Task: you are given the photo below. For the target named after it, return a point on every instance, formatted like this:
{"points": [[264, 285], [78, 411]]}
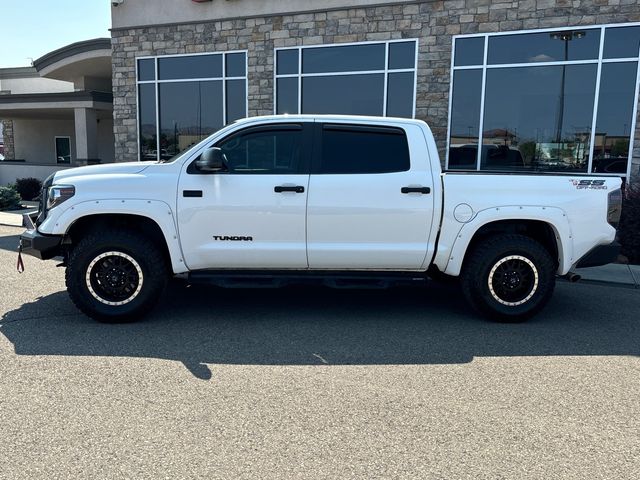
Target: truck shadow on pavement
{"points": [[199, 325], [10, 242]]}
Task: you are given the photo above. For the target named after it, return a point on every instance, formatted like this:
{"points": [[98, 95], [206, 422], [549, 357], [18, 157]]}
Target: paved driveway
{"points": [[315, 383]]}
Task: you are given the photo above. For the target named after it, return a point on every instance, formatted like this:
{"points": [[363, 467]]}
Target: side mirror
{"points": [[211, 160]]}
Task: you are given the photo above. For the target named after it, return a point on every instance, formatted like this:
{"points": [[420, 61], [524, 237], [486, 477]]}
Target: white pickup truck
{"points": [[333, 199]]}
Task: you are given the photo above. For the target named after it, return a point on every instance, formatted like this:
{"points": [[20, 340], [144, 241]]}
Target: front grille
{"points": [[42, 206]]}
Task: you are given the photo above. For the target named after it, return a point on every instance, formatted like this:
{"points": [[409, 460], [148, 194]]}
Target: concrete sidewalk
{"points": [[13, 218], [614, 274]]}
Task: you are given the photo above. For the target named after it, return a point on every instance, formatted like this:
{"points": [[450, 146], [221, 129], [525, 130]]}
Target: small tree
{"points": [[28, 188], [9, 198]]}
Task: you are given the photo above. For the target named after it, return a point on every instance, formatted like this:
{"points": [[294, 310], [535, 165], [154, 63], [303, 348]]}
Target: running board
{"points": [[276, 279]]}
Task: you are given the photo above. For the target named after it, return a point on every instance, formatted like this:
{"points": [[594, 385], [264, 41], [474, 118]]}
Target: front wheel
{"points": [[115, 276], [508, 278]]}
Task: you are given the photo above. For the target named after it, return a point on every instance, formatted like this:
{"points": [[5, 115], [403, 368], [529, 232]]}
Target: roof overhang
{"points": [[54, 105], [90, 58]]}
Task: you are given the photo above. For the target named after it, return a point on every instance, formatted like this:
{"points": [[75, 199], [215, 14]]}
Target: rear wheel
{"points": [[508, 278], [116, 276]]}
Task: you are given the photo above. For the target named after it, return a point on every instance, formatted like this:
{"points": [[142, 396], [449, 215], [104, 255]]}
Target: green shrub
{"points": [[629, 231], [28, 188], [9, 198]]}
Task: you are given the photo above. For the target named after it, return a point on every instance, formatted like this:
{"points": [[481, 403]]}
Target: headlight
{"points": [[58, 194]]}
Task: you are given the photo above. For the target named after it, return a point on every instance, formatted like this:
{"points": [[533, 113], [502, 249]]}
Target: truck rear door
{"points": [[371, 202]]}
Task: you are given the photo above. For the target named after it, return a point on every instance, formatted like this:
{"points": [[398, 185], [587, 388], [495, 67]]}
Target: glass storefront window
{"points": [[343, 95], [469, 51], [147, 69], [622, 42], [546, 101], [371, 78], [193, 96], [147, 129], [351, 58], [190, 66], [534, 118], [615, 117], [287, 62], [465, 119], [544, 47]]}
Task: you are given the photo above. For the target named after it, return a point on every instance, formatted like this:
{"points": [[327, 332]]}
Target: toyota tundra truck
{"points": [[337, 200]]}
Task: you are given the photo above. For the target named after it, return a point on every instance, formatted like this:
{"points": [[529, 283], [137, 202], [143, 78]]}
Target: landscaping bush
{"points": [[28, 188], [629, 231], [9, 198]]}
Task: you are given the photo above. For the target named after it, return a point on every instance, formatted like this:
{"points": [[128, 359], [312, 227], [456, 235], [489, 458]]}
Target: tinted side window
{"points": [[265, 151], [351, 149]]}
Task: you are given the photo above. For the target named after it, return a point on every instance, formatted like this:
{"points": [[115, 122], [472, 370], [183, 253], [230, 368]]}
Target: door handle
{"points": [[423, 190], [287, 188], [192, 193]]}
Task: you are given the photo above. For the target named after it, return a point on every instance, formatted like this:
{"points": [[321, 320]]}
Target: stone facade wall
{"points": [[432, 22], [8, 140]]}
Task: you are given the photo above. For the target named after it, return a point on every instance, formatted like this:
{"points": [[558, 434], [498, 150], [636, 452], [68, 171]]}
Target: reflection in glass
{"points": [[236, 65], [264, 152], [469, 51], [287, 95], [147, 116], [402, 55], [189, 111], [621, 42], [146, 69], [190, 66], [63, 150], [346, 94], [544, 47], [615, 117], [350, 58], [538, 118], [465, 119], [236, 100], [400, 95], [287, 62]]}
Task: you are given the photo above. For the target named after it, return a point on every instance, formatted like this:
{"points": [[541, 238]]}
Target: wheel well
{"points": [[538, 230], [138, 223]]}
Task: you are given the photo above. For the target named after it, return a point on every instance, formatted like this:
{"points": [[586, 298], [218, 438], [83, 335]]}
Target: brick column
{"points": [[9, 145]]}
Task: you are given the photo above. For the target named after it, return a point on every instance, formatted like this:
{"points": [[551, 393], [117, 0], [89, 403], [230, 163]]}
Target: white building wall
{"points": [[35, 139], [106, 146], [140, 12], [35, 85]]}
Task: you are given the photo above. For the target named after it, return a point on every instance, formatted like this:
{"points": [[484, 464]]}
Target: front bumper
{"points": [[600, 255], [38, 245]]}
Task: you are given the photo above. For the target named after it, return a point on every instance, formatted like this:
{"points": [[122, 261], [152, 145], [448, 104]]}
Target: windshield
{"points": [[184, 152]]}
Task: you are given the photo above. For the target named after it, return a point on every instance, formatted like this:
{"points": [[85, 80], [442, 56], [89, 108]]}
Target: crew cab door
{"points": [[370, 200], [252, 214]]}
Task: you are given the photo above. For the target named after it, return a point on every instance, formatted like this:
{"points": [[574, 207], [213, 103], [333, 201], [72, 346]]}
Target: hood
{"points": [[106, 169]]}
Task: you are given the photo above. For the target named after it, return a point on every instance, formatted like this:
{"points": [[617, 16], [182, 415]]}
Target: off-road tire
{"points": [[147, 258], [480, 276]]}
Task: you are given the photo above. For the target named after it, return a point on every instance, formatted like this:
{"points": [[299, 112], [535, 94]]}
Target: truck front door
{"points": [[371, 199], [252, 214]]}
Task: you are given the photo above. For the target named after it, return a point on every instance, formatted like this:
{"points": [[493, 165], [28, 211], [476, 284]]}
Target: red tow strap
{"points": [[20, 264]]}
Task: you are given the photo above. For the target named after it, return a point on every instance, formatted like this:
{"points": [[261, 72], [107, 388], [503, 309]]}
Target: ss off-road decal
{"points": [[589, 184]]}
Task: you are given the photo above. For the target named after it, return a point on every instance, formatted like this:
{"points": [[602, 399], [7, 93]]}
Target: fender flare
{"points": [[159, 212], [555, 217]]}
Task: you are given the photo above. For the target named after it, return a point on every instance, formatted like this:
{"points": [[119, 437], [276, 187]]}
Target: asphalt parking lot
{"points": [[315, 383]]}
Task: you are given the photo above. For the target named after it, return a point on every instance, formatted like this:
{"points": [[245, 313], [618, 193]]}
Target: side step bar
{"points": [[275, 279]]}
